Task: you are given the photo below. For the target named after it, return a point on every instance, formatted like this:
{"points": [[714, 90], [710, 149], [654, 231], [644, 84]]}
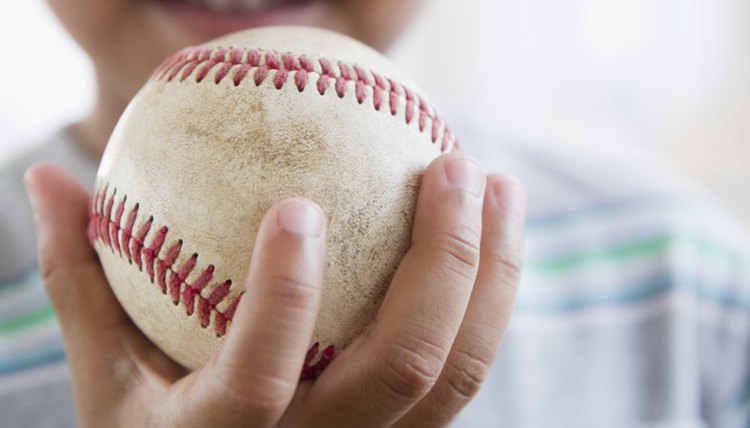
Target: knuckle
{"points": [[460, 251], [466, 372], [263, 410], [408, 373], [508, 267], [48, 269], [292, 291], [54, 278], [256, 396]]}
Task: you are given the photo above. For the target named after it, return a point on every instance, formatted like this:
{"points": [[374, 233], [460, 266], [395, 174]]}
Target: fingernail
{"points": [[30, 187], [507, 193], [300, 217], [465, 174], [509, 198]]}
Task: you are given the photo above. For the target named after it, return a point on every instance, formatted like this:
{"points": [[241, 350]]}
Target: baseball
{"points": [[224, 130]]}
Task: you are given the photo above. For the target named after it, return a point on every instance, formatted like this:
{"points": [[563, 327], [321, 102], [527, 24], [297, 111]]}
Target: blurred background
{"points": [[668, 77]]}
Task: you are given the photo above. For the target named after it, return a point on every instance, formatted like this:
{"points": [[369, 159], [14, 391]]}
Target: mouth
{"points": [[213, 18], [240, 7]]}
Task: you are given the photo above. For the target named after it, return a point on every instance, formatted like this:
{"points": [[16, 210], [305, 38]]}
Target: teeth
{"points": [[236, 5]]}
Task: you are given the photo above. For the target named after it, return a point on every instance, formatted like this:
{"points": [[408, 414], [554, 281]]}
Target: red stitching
{"points": [[197, 63], [158, 259], [172, 281], [312, 370]]}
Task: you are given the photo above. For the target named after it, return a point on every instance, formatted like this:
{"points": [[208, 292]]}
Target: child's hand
{"points": [[421, 362]]}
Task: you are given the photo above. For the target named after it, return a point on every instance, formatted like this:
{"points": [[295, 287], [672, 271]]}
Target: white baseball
{"points": [[223, 131]]}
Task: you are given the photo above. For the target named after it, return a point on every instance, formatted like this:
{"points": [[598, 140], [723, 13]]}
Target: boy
{"points": [[634, 310]]}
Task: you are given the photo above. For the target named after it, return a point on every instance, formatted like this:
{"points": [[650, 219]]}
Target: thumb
{"points": [[74, 280]]}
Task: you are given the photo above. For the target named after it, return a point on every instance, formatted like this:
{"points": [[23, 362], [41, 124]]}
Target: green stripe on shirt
{"points": [[28, 320], [647, 247]]}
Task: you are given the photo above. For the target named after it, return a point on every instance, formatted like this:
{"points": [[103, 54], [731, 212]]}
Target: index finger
{"points": [[383, 375]]}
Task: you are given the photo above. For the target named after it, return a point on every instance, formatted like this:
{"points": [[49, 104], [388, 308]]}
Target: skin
{"points": [[424, 358], [127, 39]]}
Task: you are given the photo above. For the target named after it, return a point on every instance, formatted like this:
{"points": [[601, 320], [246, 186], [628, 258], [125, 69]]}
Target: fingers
{"points": [[489, 310], [383, 375], [427, 299], [254, 376], [84, 303], [100, 341]]}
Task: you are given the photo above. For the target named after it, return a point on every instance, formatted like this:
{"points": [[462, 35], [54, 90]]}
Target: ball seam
{"points": [[259, 65], [129, 241]]}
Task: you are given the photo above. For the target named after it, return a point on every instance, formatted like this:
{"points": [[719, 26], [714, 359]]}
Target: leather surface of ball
{"points": [[223, 131]]}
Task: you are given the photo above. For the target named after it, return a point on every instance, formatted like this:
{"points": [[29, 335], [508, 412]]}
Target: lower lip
{"points": [[210, 24]]}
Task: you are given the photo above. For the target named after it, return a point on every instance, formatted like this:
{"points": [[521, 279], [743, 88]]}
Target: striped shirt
{"points": [[34, 382], [634, 309]]}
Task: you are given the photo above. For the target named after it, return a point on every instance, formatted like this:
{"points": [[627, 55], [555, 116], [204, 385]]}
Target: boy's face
{"points": [[127, 38]]}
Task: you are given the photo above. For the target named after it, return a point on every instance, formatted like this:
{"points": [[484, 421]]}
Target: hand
{"points": [[421, 362]]}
